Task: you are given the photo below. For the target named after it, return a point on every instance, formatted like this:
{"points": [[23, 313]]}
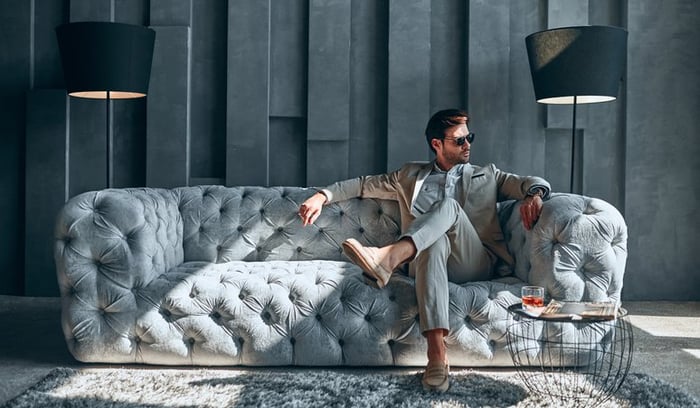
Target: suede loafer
{"points": [[436, 376], [367, 259]]}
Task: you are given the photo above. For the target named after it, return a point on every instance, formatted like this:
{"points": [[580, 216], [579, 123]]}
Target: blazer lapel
{"points": [[423, 173], [467, 172]]}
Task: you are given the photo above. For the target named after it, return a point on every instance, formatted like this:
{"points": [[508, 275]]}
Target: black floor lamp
{"points": [[576, 65], [103, 60]]}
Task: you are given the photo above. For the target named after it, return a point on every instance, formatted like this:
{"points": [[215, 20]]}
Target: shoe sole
{"points": [[352, 249]]}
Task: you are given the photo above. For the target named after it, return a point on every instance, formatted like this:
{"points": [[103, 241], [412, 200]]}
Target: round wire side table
{"points": [[580, 362]]}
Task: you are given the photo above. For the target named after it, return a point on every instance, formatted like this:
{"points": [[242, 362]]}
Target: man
{"points": [[449, 225]]}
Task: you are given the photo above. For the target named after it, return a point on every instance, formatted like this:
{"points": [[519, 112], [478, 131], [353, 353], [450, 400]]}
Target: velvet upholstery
{"points": [[213, 275]]}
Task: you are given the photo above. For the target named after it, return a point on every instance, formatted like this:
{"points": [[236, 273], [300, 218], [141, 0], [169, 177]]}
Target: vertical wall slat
{"points": [[448, 48], [209, 33], [247, 125], [329, 88], [171, 12], [46, 190], [526, 137], [409, 81], [489, 70], [90, 10], [288, 157], [663, 153], [368, 87], [288, 57], [168, 134], [15, 65]]}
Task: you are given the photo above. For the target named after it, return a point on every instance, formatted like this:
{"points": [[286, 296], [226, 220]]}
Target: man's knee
{"points": [[439, 250]]}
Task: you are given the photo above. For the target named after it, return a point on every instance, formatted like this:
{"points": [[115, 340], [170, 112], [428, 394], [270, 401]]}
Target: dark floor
{"points": [[666, 336]]}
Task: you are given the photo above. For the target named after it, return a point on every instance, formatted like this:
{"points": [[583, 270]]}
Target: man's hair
{"points": [[441, 121]]}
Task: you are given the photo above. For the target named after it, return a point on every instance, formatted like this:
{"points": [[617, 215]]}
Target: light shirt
{"points": [[437, 186]]}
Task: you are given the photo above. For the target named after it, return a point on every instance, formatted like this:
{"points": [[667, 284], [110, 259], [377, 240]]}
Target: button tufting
{"points": [[391, 343], [368, 318], [280, 229], [320, 230], [341, 213], [240, 228], [241, 296], [262, 211], [191, 341], [318, 317], [362, 230], [218, 248], [292, 340], [341, 342], [299, 249], [216, 315]]}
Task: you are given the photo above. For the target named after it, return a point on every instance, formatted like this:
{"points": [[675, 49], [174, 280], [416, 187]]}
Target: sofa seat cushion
{"points": [[291, 313]]}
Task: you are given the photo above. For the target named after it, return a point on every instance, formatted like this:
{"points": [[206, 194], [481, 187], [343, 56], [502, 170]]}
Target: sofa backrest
{"points": [[222, 224]]}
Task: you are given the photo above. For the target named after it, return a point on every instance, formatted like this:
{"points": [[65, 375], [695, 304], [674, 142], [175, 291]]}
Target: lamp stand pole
{"points": [[110, 141], [573, 149]]}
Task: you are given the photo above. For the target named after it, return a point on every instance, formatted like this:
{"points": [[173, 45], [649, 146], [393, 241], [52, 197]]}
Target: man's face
{"points": [[448, 152]]}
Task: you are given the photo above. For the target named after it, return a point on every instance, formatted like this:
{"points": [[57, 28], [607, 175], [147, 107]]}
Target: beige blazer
{"points": [[482, 188]]}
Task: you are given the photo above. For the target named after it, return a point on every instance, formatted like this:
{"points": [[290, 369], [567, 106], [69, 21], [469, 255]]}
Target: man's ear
{"points": [[435, 143]]}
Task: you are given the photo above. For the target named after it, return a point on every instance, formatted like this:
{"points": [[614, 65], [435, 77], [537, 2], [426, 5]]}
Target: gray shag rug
{"points": [[298, 387]]}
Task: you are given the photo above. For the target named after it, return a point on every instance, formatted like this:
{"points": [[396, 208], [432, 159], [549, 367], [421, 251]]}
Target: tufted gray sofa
{"points": [[211, 275]]}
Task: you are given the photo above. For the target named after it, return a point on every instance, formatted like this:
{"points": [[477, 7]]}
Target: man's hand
{"points": [[530, 210], [311, 208]]}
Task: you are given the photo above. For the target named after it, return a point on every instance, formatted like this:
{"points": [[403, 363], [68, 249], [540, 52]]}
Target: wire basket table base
{"points": [[582, 362]]}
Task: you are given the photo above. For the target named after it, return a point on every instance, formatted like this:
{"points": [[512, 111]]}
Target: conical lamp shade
{"points": [[98, 57], [587, 62]]}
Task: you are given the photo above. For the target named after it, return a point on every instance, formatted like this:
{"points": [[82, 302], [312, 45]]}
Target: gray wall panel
{"points": [[88, 141], [46, 155], [168, 134], [171, 12], [15, 59], [210, 27], [663, 150], [448, 56], [368, 87], [489, 70], [329, 90], [287, 152], [248, 90], [525, 142], [409, 81], [91, 10], [129, 143], [288, 57], [329, 70], [48, 14]]}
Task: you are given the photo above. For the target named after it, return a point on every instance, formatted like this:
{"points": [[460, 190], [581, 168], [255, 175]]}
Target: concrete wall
{"points": [[304, 92]]}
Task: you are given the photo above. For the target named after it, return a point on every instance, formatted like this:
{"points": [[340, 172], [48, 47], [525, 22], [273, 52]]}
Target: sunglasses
{"points": [[460, 141]]}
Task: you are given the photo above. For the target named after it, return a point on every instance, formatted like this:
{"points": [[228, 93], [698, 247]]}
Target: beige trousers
{"points": [[449, 250]]}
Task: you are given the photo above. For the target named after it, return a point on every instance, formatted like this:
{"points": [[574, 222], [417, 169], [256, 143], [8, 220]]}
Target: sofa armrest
{"points": [[108, 245], [577, 250]]}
